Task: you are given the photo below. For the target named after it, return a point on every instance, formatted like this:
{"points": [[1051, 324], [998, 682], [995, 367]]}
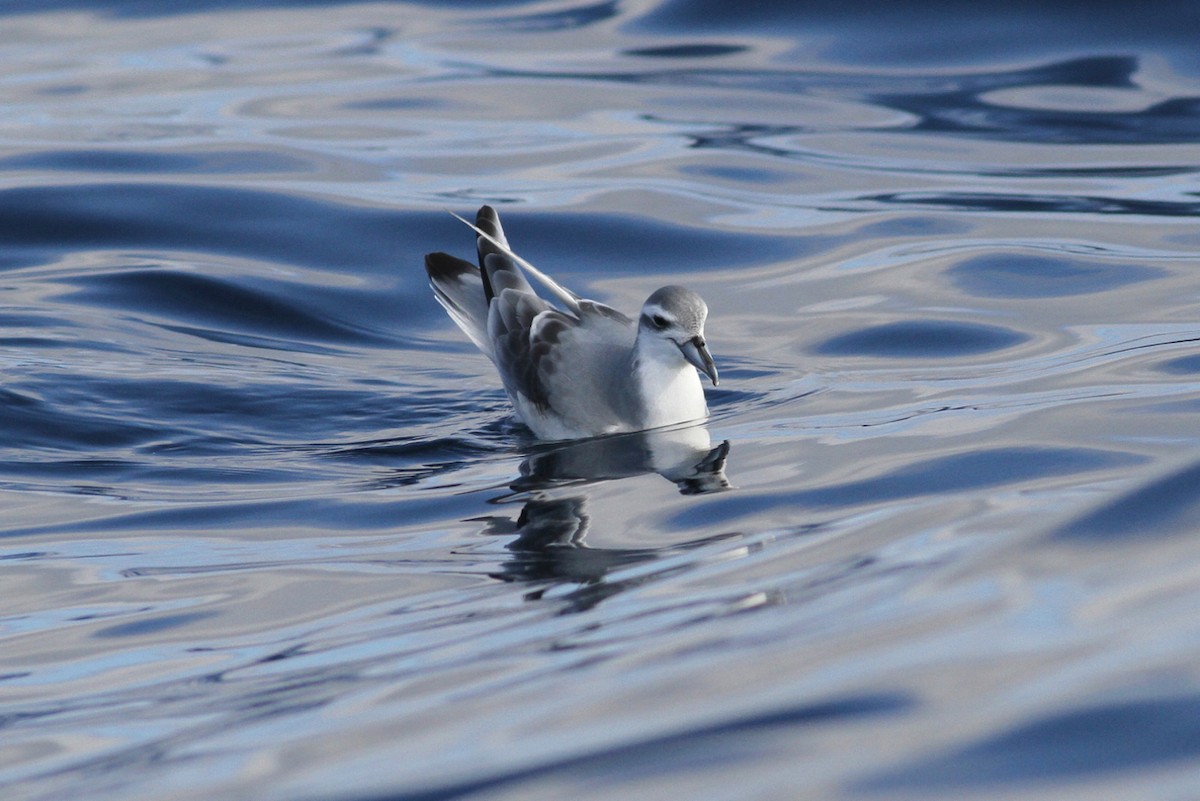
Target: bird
{"points": [[581, 368]]}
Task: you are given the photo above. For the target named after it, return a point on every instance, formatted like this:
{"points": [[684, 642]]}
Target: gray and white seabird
{"points": [[584, 369]]}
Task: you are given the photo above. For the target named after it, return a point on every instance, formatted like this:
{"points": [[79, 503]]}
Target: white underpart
{"points": [[548, 425], [670, 387]]}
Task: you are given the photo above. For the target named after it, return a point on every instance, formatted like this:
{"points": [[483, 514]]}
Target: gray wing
{"points": [[581, 366], [565, 374], [491, 240], [512, 308], [466, 291], [498, 267], [511, 316], [458, 287]]}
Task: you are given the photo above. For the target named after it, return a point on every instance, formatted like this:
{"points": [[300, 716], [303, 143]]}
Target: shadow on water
{"points": [[549, 536]]}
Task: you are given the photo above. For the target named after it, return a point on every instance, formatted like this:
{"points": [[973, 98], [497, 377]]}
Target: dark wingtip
{"points": [[488, 220], [431, 263], [444, 266]]}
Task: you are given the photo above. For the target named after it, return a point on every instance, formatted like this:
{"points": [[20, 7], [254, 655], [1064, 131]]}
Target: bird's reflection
{"points": [[548, 537], [684, 456]]}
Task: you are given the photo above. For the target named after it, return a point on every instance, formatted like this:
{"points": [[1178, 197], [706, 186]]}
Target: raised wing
{"points": [[458, 286], [488, 215]]}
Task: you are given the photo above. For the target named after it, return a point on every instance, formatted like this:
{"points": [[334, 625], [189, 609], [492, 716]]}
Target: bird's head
{"points": [[676, 315]]}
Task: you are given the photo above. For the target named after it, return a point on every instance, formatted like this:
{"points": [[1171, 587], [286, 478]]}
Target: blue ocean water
{"points": [[270, 531]]}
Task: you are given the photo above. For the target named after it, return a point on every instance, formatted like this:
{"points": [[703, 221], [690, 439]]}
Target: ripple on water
{"points": [[62, 219], [1167, 506], [1015, 275], [1184, 365], [944, 475], [917, 339], [1090, 741], [211, 162], [274, 310]]}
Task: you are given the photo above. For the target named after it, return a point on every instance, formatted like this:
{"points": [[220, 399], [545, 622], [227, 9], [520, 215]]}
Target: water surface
{"points": [[270, 531]]}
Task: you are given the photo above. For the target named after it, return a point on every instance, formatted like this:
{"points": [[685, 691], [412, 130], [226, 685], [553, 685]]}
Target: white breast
{"points": [[670, 393]]}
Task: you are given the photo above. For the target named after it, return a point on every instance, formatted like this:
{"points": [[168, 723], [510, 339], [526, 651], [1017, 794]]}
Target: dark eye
{"points": [[659, 321]]}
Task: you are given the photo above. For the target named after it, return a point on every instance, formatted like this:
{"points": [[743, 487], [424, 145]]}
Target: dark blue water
{"points": [[270, 531]]}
